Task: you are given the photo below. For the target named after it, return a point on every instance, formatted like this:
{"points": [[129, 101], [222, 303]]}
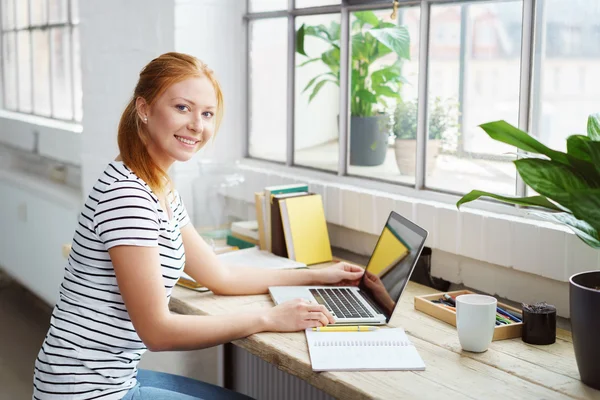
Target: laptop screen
{"points": [[392, 262]]}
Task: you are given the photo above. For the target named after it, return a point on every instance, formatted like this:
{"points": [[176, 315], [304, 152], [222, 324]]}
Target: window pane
{"points": [[268, 5], [472, 81], [62, 91], [23, 41], [78, 92], [58, 11], [316, 3], [8, 14], [41, 73], [566, 82], [9, 67], [318, 94], [384, 55], [39, 12], [22, 14], [268, 83]]}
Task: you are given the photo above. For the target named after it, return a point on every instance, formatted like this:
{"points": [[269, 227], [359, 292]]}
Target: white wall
{"points": [[37, 219], [117, 39]]}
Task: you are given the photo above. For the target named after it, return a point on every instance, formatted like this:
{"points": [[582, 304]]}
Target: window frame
{"points": [[70, 25], [345, 9]]}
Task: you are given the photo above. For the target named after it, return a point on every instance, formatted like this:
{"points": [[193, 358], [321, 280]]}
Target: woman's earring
{"points": [[145, 119]]}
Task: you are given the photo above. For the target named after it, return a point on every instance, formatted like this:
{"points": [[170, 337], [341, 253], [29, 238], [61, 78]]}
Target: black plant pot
{"points": [[584, 297], [539, 324]]}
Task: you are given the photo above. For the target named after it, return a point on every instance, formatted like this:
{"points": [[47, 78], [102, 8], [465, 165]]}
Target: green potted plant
{"points": [[569, 193], [372, 38], [442, 124]]}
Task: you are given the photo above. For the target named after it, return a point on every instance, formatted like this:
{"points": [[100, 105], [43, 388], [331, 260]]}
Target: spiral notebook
{"points": [[383, 349]]}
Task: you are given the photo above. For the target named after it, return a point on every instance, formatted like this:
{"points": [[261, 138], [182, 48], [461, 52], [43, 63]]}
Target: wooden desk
{"points": [[510, 369]]}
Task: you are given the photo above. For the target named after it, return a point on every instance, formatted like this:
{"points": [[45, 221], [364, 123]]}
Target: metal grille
{"points": [[263, 381]]}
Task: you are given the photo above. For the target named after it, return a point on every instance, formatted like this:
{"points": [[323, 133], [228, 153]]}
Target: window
{"points": [[566, 53], [41, 72], [401, 99]]}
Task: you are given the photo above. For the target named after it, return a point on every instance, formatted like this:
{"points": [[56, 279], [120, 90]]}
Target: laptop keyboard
{"points": [[341, 303]]}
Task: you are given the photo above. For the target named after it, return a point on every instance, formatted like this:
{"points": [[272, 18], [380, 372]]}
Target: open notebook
{"points": [[383, 349]]}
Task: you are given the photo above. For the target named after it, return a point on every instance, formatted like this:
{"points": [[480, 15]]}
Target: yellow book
{"points": [[305, 229], [389, 251], [259, 204]]}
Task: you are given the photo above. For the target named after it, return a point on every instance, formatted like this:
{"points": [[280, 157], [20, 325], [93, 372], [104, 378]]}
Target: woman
{"points": [[131, 244]]}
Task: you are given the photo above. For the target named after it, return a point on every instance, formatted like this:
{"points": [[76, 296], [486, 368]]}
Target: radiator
{"points": [[263, 381]]}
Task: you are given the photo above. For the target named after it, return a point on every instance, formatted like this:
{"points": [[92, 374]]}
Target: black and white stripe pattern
{"points": [[91, 350]]}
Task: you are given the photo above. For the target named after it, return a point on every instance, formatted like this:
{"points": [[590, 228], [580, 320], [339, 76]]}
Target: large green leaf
{"points": [[585, 205], [313, 80], [320, 31], [537, 201], [551, 179], [317, 88], [577, 147], [331, 58], [367, 17], [504, 132], [582, 229], [334, 31], [360, 50], [593, 127], [593, 148], [396, 39], [300, 40], [366, 96], [392, 73], [386, 91], [311, 60]]}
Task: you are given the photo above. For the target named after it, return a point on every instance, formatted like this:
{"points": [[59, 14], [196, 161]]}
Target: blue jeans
{"points": [[154, 385]]}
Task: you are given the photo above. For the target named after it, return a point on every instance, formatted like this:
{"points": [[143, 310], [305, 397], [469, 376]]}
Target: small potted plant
{"points": [[569, 193], [442, 124], [372, 38]]}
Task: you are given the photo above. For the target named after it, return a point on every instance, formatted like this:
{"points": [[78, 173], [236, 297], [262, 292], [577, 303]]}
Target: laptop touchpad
{"points": [[283, 294]]}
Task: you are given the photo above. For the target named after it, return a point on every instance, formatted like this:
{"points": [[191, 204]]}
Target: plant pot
{"points": [[584, 298], [368, 140], [539, 324], [406, 155]]}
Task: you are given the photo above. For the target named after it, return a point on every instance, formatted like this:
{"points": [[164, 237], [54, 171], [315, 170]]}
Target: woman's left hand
{"points": [[341, 274]]}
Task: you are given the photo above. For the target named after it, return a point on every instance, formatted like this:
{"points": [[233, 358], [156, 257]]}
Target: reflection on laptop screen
{"points": [[392, 262]]}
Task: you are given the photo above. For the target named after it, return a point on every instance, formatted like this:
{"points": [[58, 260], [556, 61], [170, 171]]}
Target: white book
{"points": [[246, 228], [383, 349], [255, 257]]}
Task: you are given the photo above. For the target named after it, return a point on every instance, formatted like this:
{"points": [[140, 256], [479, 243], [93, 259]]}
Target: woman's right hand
{"points": [[297, 315]]}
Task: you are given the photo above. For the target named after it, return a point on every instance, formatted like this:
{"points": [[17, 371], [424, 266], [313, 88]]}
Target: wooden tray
{"points": [[424, 304]]}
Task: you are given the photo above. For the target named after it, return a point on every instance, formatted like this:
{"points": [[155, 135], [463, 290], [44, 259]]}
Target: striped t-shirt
{"points": [[92, 350]]}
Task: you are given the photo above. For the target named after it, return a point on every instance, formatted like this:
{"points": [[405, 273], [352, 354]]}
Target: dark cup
{"points": [[539, 327]]}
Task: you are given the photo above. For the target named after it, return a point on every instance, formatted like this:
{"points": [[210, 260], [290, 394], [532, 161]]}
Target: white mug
{"points": [[475, 321]]}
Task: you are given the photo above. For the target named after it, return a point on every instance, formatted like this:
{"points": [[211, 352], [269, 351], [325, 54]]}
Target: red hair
{"points": [[155, 78]]}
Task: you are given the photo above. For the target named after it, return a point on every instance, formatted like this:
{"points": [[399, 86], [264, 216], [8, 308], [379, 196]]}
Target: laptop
{"points": [[373, 301]]}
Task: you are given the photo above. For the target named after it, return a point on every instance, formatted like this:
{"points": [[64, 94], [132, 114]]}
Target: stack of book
{"points": [[244, 234], [291, 223]]}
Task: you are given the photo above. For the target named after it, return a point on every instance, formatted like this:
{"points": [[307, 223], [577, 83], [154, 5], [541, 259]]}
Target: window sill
{"points": [[58, 140], [483, 230]]}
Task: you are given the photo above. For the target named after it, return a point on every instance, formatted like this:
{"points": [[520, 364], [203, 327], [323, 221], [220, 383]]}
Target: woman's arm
{"points": [[205, 267], [140, 283]]}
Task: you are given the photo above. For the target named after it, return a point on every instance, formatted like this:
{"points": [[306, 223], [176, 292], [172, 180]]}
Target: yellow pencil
{"points": [[345, 328]]}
